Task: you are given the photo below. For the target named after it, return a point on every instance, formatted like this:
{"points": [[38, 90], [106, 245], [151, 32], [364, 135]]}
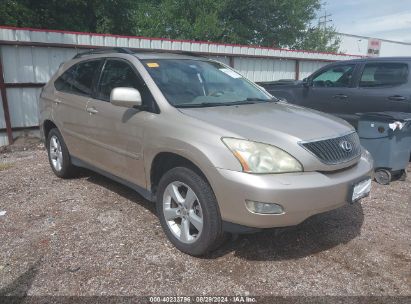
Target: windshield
{"points": [[198, 83]]}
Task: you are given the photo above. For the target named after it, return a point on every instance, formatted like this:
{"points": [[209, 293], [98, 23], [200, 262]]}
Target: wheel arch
{"points": [[47, 126], [166, 160]]}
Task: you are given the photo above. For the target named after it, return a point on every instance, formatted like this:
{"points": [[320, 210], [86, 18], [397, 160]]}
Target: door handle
{"points": [[397, 98], [340, 96], [92, 110]]}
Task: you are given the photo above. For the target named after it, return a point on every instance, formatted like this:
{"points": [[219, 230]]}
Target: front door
{"points": [[330, 89], [117, 132]]}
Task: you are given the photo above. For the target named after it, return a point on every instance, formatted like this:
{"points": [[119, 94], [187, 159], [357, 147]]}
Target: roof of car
{"points": [[158, 55], [373, 59]]}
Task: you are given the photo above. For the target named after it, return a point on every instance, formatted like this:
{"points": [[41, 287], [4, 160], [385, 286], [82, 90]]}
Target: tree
{"points": [[273, 23], [180, 19], [110, 16], [269, 22], [319, 39]]}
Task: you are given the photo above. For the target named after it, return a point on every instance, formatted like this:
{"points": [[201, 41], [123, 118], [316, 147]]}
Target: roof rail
{"points": [[104, 51], [188, 53]]}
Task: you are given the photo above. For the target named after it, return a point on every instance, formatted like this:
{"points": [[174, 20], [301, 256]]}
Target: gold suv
{"points": [[213, 150]]}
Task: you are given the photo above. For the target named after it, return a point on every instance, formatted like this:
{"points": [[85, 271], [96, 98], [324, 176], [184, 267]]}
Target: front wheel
{"points": [[188, 211]]}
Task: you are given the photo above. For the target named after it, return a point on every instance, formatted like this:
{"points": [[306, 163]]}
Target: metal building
{"points": [[29, 57]]}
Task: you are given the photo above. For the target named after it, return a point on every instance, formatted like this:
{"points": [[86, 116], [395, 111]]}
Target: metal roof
{"points": [[90, 40]]}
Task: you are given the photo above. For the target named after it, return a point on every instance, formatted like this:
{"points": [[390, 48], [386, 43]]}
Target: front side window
{"points": [[116, 73], [384, 74], [339, 76], [78, 79], [198, 83]]}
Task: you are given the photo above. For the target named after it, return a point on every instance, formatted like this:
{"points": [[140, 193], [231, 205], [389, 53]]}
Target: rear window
{"points": [[78, 79], [384, 74]]}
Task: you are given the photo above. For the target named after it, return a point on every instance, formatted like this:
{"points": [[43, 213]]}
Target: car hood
{"points": [[271, 122]]}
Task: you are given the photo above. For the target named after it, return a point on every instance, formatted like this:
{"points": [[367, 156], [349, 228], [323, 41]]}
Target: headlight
{"points": [[261, 158]]}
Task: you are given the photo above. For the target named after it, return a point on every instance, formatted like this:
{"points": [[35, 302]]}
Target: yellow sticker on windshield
{"points": [[152, 65]]}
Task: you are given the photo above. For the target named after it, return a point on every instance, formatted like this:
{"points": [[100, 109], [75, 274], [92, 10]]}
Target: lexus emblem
{"points": [[346, 146]]}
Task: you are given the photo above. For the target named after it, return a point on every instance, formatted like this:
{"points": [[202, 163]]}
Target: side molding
{"points": [[148, 195]]}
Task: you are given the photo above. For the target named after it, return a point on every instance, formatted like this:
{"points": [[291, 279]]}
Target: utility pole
{"points": [[324, 19]]}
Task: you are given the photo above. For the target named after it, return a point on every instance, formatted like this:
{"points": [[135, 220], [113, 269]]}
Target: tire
{"points": [[383, 176], [58, 154], [187, 198]]}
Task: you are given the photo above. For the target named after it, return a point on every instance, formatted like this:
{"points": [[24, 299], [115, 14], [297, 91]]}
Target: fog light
{"points": [[265, 208]]}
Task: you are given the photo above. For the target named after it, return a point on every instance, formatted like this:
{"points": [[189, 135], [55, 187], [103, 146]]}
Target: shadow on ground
{"points": [[117, 188], [318, 233], [17, 290]]}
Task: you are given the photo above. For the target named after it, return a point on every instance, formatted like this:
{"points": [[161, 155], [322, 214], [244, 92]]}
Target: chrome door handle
{"points": [[397, 98], [92, 110]]}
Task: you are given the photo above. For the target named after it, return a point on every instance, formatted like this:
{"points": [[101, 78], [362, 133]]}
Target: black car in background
{"points": [[346, 88]]}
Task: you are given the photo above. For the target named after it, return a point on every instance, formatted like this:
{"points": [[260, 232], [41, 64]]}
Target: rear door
{"points": [[73, 89], [383, 86], [330, 89], [117, 132]]}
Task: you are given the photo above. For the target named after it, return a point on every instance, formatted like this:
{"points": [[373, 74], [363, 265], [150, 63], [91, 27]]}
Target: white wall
{"points": [[357, 45]]}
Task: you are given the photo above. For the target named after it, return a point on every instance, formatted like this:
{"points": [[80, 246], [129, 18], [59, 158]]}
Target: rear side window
{"points": [[78, 79], [384, 74]]}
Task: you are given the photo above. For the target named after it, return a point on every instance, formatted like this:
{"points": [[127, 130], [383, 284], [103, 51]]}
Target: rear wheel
{"points": [[59, 156], [188, 211]]}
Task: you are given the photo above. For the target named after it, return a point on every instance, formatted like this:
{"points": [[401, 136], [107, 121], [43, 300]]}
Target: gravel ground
{"points": [[92, 236]]}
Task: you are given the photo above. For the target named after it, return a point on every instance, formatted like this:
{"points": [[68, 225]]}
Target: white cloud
{"points": [[388, 23]]}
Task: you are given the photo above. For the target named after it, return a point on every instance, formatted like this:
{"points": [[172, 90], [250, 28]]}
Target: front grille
{"points": [[335, 150]]}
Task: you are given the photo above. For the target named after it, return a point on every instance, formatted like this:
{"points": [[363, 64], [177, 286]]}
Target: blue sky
{"points": [[386, 19]]}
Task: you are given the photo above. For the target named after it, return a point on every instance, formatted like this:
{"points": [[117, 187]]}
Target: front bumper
{"points": [[300, 194]]}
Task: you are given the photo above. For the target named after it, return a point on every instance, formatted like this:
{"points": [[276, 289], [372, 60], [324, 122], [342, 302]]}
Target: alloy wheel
{"points": [[56, 155], [182, 212]]}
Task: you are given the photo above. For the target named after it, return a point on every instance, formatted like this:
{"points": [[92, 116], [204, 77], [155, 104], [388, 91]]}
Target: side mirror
{"points": [[126, 97], [307, 82]]}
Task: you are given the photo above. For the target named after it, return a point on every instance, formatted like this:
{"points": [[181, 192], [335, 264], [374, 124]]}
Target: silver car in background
{"points": [[214, 151]]}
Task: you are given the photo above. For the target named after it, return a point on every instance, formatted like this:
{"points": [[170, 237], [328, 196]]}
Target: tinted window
{"points": [[337, 76], [78, 79], [63, 83], [117, 73], [384, 74]]}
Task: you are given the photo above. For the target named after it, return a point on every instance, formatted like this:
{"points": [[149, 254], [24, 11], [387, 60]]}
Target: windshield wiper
{"points": [[248, 100], [274, 99], [212, 104]]}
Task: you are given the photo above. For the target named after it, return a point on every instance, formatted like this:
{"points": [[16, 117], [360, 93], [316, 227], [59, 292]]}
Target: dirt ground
{"points": [[92, 236]]}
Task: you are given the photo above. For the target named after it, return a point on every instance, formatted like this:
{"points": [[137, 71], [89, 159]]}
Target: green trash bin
{"points": [[387, 136]]}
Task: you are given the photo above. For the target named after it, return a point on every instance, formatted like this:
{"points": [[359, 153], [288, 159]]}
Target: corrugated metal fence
{"points": [[29, 57]]}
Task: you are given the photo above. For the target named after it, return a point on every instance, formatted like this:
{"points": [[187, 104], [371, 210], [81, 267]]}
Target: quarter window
{"points": [[337, 76], [384, 74], [78, 79]]}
